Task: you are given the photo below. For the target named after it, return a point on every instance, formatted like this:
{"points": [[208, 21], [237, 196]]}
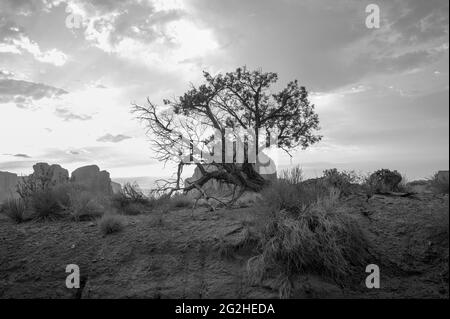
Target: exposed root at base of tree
{"points": [[242, 177]]}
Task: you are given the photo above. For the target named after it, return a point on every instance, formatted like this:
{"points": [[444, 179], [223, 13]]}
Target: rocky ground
{"points": [[202, 254]]}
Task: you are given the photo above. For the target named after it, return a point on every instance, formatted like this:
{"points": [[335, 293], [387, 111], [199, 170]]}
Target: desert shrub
{"points": [[43, 198], [45, 204], [440, 183], [15, 209], [83, 205], [131, 200], [291, 193], [382, 181], [317, 240], [160, 203], [344, 180], [282, 195], [111, 223], [132, 193]]}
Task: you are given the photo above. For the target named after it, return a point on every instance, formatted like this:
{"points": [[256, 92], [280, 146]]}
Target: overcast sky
{"points": [[65, 89]]}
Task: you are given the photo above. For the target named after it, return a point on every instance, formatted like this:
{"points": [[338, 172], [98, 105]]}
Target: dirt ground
{"points": [[200, 255]]}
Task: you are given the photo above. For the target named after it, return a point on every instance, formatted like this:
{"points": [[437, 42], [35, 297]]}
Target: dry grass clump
{"points": [[131, 200], [84, 206], [316, 240], [46, 201], [15, 209], [111, 223], [42, 199], [291, 193], [45, 204]]}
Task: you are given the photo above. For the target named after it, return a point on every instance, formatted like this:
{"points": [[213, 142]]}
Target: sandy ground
{"points": [[180, 255]]}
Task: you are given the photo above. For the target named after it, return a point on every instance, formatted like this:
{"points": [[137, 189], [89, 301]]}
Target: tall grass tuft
{"points": [[45, 205], [111, 223], [15, 209], [314, 240]]}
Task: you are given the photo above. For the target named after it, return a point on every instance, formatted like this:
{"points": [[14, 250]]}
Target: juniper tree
{"points": [[234, 101]]}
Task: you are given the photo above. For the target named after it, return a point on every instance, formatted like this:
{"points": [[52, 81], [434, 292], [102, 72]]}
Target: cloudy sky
{"points": [[66, 87]]}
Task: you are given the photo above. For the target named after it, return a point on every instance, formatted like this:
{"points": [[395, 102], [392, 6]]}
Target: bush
{"points": [[131, 200], [15, 209], [44, 199], [45, 204], [84, 206], [383, 181], [291, 193], [440, 183], [111, 223], [316, 240], [343, 181], [130, 193]]}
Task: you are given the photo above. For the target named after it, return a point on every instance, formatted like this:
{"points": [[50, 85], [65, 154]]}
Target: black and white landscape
{"points": [[209, 149]]}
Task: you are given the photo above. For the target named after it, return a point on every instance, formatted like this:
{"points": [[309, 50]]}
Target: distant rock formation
{"points": [[8, 183], [53, 175], [90, 177], [94, 180]]}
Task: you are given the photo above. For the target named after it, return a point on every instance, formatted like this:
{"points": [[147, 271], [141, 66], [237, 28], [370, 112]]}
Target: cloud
{"points": [[5, 74], [30, 89], [13, 37], [19, 155], [325, 44], [22, 155], [19, 166], [113, 138], [25, 93], [151, 33], [67, 115], [21, 44]]}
